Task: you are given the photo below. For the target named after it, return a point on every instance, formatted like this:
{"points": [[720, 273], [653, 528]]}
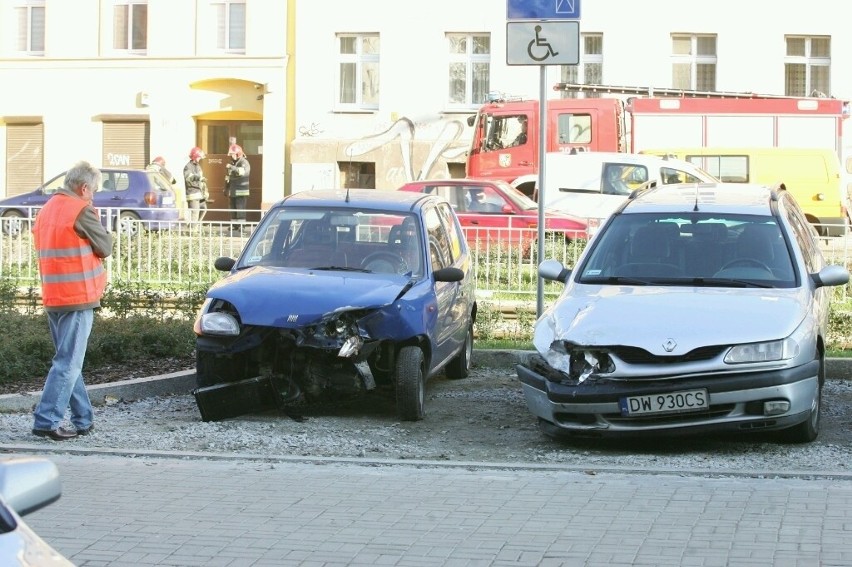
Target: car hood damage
{"points": [[309, 295], [662, 320]]}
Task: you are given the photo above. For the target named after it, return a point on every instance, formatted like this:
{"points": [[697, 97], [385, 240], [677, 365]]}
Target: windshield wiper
{"points": [[618, 280], [340, 268], [728, 282]]}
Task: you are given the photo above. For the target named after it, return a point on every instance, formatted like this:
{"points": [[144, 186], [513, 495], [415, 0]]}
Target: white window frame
{"points": [[469, 59], [809, 61], [225, 33], [362, 61], [129, 25], [27, 29], [693, 59], [578, 74]]}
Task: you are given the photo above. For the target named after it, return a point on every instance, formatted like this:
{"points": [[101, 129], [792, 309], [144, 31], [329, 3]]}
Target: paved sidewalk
{"points": [[121, 511]]}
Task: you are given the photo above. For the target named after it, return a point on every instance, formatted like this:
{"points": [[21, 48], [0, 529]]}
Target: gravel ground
{"points": [[480, 419]]}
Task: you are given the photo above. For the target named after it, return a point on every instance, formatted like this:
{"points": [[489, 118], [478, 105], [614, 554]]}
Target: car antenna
{"points": [[347, 194], [695, 208]]}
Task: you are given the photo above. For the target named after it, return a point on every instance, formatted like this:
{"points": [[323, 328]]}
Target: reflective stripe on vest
{"points": [[70, 272]]}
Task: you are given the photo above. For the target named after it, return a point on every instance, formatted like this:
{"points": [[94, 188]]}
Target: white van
{"points": [[594, 184]]}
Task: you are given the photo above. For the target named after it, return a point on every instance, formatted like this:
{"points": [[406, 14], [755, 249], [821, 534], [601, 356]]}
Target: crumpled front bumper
{"points": [[592, 408]]}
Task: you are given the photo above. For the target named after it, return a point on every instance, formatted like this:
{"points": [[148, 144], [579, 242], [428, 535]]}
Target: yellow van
{"points": [[811, 175]]}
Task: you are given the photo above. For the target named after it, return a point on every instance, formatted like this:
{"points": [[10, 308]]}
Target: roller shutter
{"points": [[24, 158], [126, 144]]}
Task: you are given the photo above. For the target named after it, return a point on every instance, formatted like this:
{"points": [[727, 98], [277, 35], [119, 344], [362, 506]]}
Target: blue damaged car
{"points": [[337, 294]]}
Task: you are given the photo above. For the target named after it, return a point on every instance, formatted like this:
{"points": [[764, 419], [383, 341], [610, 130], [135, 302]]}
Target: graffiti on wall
{"points": [[402, 134], [310, 131]]}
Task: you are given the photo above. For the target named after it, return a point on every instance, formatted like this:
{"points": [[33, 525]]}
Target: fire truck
{"points": [[505, 136]]}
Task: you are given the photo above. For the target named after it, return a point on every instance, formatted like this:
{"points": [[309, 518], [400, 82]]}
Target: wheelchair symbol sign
{"points": [[543, 43]]}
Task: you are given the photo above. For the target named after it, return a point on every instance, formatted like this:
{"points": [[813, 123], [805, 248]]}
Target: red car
{"points": [[500, 211]]}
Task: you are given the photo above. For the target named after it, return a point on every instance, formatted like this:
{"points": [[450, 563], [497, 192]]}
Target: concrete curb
{"points": [[136, 389], [182, 383]]}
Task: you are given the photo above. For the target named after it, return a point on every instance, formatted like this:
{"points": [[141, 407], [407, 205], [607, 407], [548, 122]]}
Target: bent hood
{"points": [[290, 298], [648, 317]]}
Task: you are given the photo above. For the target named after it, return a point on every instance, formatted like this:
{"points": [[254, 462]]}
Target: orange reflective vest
{"points": [[71, 274]]}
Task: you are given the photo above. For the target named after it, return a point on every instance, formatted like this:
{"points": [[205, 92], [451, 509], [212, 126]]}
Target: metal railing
{"points": [[181, 253]]}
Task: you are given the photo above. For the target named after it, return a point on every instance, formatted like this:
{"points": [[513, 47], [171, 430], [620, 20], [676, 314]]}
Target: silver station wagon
{"points": [[696, 308]]}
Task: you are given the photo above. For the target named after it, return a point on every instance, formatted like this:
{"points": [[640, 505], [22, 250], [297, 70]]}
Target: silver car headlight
{"points": [[219, 324], [783, 349]]}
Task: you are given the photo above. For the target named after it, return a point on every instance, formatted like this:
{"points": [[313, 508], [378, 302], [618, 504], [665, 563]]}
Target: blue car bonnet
{"points": [[292, 298]]}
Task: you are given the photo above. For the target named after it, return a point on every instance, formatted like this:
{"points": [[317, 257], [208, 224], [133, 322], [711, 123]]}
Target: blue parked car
{"points": [[128, 200], [338, 293]]}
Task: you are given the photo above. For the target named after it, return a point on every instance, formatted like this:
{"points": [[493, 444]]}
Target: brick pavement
{"points": [[120, 511]]}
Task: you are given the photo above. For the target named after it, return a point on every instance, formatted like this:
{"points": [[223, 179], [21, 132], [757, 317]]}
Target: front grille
{"points": [[715, 411], [635, 355]]}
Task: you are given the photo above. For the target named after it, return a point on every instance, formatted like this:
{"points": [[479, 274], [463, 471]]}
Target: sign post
{"points": [[542, 32]]}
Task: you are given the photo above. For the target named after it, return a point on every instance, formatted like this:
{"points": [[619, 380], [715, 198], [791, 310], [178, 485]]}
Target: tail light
{"points": [[150, 198]]}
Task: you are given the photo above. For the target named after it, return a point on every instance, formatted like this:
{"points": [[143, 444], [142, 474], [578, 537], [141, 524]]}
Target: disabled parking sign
{"points": [[543, 42]]}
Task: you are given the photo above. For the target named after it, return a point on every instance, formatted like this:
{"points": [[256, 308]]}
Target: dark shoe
{"points": [[58, 434], [86, 431]]}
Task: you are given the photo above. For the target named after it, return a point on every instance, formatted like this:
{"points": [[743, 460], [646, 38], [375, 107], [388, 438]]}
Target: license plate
{"points": [[671, 402]]}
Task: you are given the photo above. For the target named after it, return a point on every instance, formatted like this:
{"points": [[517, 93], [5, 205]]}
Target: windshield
{"points": [[515, 195], [690, 249], [344, 239]]}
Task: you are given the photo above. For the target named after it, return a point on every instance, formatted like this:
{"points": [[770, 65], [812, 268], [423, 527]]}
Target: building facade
{"points": [[120, 82], [369, 93]]}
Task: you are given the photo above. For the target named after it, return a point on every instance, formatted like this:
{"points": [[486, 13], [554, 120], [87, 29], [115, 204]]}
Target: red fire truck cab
{"points": [[506, 134]]}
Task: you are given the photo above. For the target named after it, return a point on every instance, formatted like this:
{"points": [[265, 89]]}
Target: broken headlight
{"points": [[578, 363]]}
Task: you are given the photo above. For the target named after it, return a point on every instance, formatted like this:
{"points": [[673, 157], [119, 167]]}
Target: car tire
{"points": [[127, 224], [808, 430], [410, 384], [459, 367], [13, 223]]}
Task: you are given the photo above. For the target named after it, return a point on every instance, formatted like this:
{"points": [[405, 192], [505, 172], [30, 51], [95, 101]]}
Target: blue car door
{"points": [[453, 298]]}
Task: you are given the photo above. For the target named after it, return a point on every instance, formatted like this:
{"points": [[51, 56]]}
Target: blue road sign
{"points": [[543, 9]]}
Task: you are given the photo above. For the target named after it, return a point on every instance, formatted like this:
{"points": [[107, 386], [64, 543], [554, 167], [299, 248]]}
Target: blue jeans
{"points": [[64, 385]]}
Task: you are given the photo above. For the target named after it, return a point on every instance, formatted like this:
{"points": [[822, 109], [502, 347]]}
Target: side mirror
{"points": [[471, 120], [554, 270], [449, 275], [831, 276], [29, 483], [224, 264]]}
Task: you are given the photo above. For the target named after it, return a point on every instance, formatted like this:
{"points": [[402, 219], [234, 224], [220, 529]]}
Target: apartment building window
{"points": [[30, 16], [469, 69], [231, 26], [590, 69], [130, 26], [694, 62], [807, 66], [358, 71]]}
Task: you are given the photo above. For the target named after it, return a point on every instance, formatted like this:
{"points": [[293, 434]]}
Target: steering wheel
{"points": [[746, 262], [384, 262]]}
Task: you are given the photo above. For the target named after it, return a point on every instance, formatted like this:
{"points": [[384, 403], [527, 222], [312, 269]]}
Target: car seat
{"points": [[405, 243], [317, 247], [764, 243]]}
